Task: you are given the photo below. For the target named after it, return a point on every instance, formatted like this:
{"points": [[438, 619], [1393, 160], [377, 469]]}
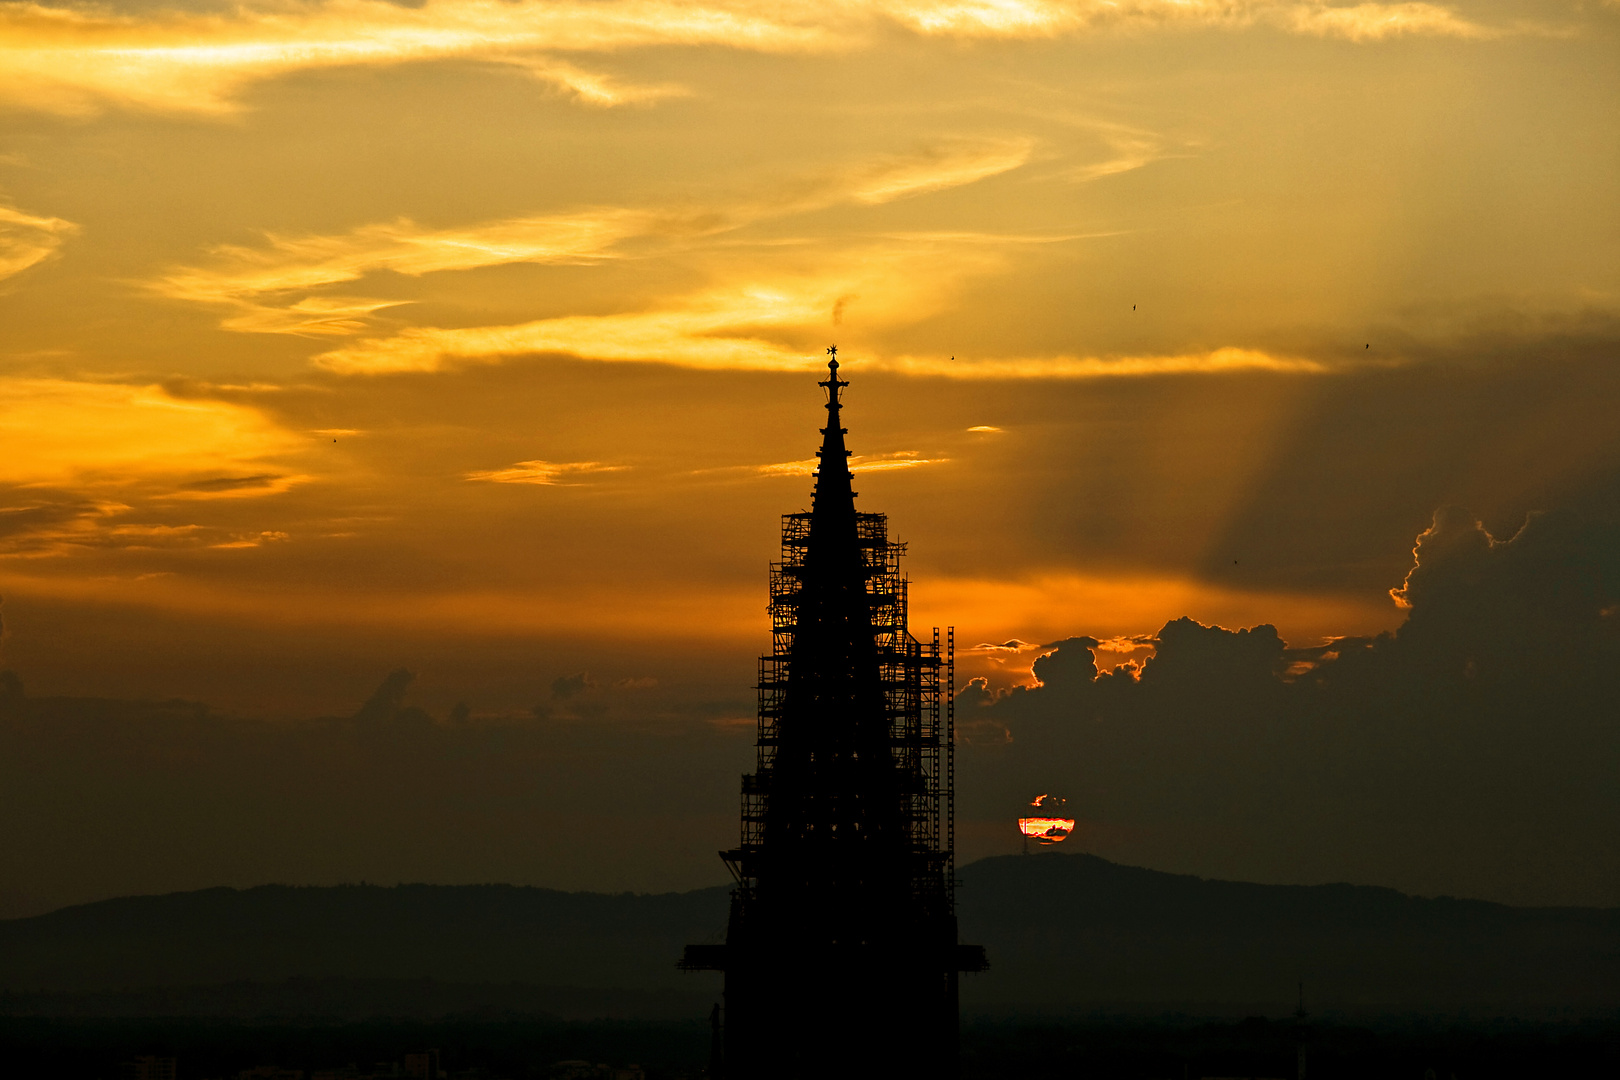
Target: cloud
{"points": [[268, 536], [258, 281], [1546, 595], [1012, 646], [1216, 361], [237, 487], [386, 705], [597, 88], [724, 328], [1048, 606], [568, 687], [277, 287], [1466, 751], [937, 168], [1375, 22], [26, 240], [548, 473], [76, 60], [755, 323], [205, 798], [117, 433], [1128, 149], [900, 459], [593, 612], [708, 334], [41, 524], [1050, 18]]}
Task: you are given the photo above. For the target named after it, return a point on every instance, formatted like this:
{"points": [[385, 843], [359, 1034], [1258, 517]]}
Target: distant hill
{"points": [[454, 933], [1075, 932], [1065, 933]]}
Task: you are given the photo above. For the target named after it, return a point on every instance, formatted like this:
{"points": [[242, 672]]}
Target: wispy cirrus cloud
{"points": [[1213, 362], [767, 323], [544, 473], [747, 323], [73, 59], [269, 287], [238, 487], [934, 168], [1047, 18], [76, 60], [899, 459], [276, 287], [50, 524], [259, 539], [27, 239]]}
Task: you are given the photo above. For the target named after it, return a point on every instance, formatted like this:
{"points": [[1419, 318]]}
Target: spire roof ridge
{"points": [[834, 491]]}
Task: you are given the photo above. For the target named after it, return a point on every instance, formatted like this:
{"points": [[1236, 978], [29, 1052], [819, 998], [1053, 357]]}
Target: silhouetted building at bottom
{"points": [[860, 1016], [147, 1067], [841, 958]]}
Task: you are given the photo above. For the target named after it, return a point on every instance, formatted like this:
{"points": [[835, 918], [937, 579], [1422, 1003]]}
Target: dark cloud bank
{"points": [[1475, 751], [103, 797]]}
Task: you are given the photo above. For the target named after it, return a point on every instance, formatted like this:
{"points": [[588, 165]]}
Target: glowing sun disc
{"points": [[1046, 830]]}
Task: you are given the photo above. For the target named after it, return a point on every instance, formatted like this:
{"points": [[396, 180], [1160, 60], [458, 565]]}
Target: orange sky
{"points": [[469, 319], [481, 337]]}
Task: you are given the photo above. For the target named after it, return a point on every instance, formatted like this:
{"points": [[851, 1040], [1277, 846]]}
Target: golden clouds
{"points": [[1051, 18], [266, 536], [546, 473], [1050, 606], [900, 459], [70, 59], [704, 335], [759, 327], [263, 284], [1373, 22], [1217, 361], [26, 239], [73, 60], [940, 168], [69, 432], [742, 325], [274, 288]]}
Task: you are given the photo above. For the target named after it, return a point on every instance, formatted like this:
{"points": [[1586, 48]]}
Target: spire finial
{"points": [[833, 383]]}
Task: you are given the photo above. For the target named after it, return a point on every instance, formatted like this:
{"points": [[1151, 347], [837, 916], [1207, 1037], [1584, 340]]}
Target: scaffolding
{"points": [[841, 952], [916, 678]]}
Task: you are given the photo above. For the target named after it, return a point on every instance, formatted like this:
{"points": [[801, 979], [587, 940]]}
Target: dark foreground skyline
{"points": [[1175, 973], [1108, 1048]]}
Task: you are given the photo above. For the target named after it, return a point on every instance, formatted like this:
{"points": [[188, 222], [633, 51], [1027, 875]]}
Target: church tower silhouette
{"points": [[841, 956]]}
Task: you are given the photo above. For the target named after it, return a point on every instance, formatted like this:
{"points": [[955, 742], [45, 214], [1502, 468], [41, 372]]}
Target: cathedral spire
{"points": [[841, 956], [834, 492]]}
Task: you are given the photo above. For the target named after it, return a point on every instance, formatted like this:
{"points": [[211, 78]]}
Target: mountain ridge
{"points": [[1065, 932]]}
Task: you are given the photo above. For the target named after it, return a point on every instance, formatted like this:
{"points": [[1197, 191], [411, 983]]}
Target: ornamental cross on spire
{"points": [[833, 383]]}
